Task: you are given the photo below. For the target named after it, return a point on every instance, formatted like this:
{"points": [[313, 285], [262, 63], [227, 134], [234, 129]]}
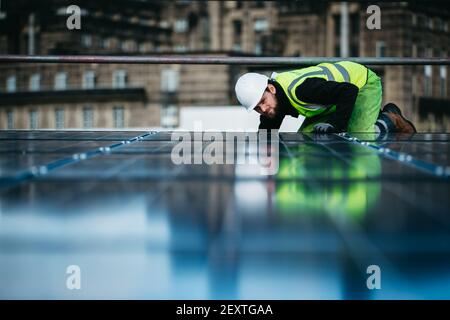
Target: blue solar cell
{"points": [[141, 226]]}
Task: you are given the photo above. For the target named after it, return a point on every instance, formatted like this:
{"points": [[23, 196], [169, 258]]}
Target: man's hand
{"points": [[324, 128]]}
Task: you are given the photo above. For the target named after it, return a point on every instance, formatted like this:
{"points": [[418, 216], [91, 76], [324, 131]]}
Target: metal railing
{"points": [[218, 60]]}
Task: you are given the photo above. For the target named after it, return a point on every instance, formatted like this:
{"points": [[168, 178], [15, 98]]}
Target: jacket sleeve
{"points": [[341, 94]]}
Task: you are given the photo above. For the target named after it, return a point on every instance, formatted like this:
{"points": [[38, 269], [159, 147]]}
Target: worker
{"points": [[333, 97]]}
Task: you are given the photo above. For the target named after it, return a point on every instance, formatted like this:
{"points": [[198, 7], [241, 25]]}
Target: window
{"points": [[59, 118], [259, 4], [88, 117], [337, 35], [2, 14], [169, 80], [88, 80], [237, 31], [169, 116], [181, 26], [145, 22], [354, 42], [414, 51], [33, 119], [35, 82], [105, 43], [204, 23], [421, 21], [61, 11], [337, 26], [237, 28], [10, 119], [61, 81], [428, 80], [143, 47], [11, 84], [123, 45], [86, 41], [128, 45], [180, 48], [260, 25], [237, 47], [439, 24], [430, 23], [414, 19], [443, 81], [132, 46], [119, 79], [420, 51], [380, 48], [118, 116], [258, 48]]}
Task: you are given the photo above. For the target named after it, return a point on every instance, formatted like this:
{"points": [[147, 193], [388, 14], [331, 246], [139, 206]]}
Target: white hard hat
{"points": [[250, 88]]}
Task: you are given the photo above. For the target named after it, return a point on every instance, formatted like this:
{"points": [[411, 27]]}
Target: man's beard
{"points": [[273, 115], [275, 110]]}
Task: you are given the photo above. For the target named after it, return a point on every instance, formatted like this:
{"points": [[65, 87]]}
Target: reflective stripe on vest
{"points": [[348, 71], [325, 71], [342, 71], [293, 83]]}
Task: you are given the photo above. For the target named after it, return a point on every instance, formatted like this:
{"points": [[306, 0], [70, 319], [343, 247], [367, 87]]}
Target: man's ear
{"points": [[271, 88]]}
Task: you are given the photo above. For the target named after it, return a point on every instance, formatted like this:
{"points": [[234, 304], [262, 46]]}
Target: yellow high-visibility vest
{"points": [[342, 71]]}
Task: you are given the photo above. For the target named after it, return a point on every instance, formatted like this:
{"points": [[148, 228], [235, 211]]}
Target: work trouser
{"points": [[365, 112]]}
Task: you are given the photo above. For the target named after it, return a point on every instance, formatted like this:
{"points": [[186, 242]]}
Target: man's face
{"points": [[268, 104]]}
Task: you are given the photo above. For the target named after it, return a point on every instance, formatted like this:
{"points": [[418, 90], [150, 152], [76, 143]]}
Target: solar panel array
{"points": [[140, 225]]}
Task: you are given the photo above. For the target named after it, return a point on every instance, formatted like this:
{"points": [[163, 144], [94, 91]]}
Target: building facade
{"points": [[142, 96]]}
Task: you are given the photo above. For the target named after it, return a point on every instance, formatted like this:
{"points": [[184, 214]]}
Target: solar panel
{"points": [[141, 226]]}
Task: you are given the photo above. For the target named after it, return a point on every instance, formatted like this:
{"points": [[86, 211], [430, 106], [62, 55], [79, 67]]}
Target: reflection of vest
{"points": [[343, 71], [355, 199]]}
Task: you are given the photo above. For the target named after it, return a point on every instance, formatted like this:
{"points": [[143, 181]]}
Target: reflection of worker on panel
{"points": [[347, 191], [333, 97]]}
